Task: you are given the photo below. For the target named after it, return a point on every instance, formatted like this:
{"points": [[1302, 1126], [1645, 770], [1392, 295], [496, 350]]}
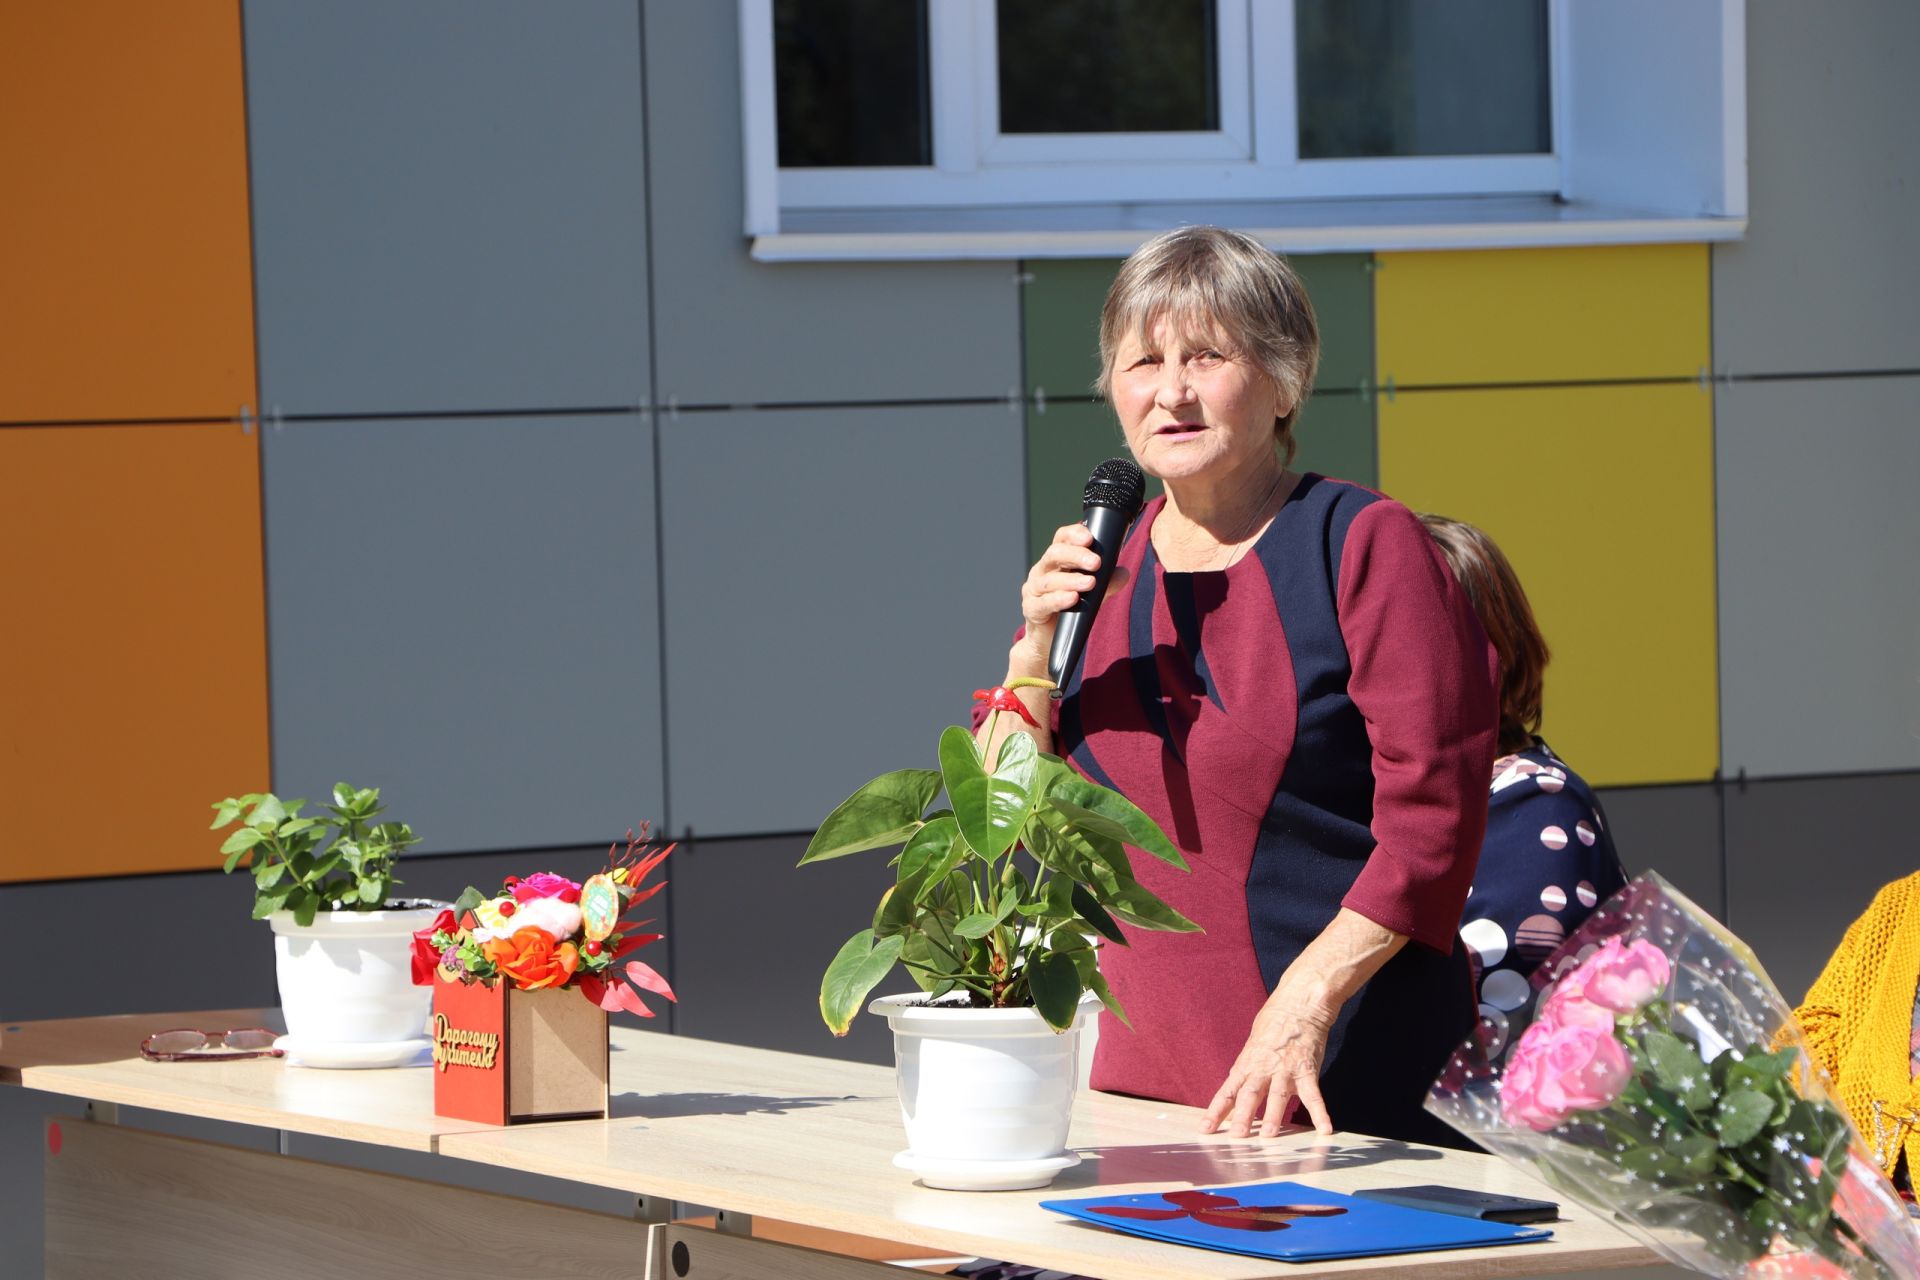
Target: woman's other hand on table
{"points": [[1279, 1063]]}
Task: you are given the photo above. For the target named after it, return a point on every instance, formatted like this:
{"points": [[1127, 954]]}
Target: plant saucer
{"points": [[985, 1175], [417, 1052]]}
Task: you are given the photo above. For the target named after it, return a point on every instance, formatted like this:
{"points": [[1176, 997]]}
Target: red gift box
{"points": [[502, 1055]]}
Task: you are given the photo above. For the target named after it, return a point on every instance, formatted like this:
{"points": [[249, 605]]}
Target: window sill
{"points": [[1300, 227]]}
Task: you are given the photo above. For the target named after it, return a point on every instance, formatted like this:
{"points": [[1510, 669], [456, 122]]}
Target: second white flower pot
{"points": [[346, 987], [986, 1094]]}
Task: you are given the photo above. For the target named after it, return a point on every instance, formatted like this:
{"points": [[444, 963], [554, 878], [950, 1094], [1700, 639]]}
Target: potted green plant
{"points": [[342, 941], [1002, 900]]}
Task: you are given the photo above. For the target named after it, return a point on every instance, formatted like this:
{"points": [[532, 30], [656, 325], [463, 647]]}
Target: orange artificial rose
{"points": [[532, 960]]}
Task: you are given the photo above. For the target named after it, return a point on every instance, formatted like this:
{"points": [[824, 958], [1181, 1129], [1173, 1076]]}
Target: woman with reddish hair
{"points": [[1547, 859]]}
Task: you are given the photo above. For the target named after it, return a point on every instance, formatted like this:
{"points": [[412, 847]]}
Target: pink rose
{"points": [[1581, 1069], [1626, 978], [1793, 1266], [544, 884], [1558, 1069], [1568, 1005], [1520, 1083]]}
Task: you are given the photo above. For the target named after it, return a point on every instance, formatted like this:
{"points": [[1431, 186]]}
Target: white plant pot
{"points": [[346, 986], [986, 1094]]}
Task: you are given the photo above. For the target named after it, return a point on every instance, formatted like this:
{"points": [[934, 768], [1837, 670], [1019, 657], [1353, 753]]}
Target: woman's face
{"points": [[1191, 407]]}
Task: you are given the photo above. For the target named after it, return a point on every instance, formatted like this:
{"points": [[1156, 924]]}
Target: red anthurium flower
{"points": [[1001, 698]]}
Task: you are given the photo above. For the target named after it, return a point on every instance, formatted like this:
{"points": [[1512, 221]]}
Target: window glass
{"points": [[851, 83], [1419, 78], [1108, 66]]}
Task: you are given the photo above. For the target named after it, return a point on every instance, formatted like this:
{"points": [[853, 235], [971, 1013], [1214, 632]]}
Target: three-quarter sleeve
{"points": [[1424, 680]]}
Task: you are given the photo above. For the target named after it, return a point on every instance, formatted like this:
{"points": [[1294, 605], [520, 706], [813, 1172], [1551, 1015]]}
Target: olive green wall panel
{"points": [[1337, 437], [1064, 443]]}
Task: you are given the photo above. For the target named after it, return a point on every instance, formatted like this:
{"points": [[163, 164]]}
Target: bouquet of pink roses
{"points": [[1658, 1077]]}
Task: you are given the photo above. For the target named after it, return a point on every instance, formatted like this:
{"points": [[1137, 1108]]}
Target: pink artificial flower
{"points": [[1626, 979], [544, 884]]}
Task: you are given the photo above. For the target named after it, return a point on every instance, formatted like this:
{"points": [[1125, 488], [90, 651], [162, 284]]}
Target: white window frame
{"points": [[1646, 148], [1254, 154]]}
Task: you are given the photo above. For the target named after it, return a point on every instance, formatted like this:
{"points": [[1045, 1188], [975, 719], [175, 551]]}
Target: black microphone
{"points": [[1114, 494]]}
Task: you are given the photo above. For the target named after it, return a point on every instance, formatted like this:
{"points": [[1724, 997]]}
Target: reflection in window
{"points": [[851, 82], [1416, 78], [1108, 66]]}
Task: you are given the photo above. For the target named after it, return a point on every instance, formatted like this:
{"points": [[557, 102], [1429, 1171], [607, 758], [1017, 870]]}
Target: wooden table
{"points": [[786, 1146]]}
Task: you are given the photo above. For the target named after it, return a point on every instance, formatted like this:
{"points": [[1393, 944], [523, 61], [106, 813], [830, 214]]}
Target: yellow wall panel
{"points": [[1542, 315], [125, 267], [133, 659], [1602, 497]]}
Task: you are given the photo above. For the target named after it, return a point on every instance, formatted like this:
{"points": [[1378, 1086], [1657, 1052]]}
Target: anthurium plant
{"points": [[1007, 892], [341, 860]]}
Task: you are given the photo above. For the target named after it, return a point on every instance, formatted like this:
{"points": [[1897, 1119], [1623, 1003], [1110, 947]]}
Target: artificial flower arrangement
{"points": [[505, 968], [1658, 1077]]}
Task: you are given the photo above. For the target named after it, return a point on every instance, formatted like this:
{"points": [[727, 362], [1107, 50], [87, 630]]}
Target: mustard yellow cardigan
{"points": [[1858, 1020]]}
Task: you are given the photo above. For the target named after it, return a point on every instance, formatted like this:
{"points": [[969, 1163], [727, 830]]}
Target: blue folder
{"points": [[1257, 1220]]}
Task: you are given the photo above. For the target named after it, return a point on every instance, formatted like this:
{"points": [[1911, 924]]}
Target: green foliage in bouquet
{"points": [[342, 861], [967, 912]]}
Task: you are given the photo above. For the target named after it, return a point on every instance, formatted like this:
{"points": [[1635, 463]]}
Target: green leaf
{"points": [[1741, 1116], [928, 854], [884, 812], [241, 841], [1142, 832], [1055, 984], [269, 813], [1137, 905], [293, 826], [1018, 762], [469, 898], [1096, 915], [989, 808], [1697, 1154], [224, 811], [977, 925], [855, 971], [373, 891], [267, 874], [895, 912], [1097, 983], [1675, 1064], [267, 901], [305, 909]]}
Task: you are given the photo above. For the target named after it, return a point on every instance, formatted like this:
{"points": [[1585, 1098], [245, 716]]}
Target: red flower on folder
{"points": [[545, 930], [1220, 1211]]}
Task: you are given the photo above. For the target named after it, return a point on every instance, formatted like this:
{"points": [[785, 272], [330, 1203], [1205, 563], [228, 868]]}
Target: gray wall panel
{"points": [[1826, 279], [464, 613], [725, 891], [842, 580], [1672, 830], [733, 331], [449, 204], [1804, 858], [1819, 602]]}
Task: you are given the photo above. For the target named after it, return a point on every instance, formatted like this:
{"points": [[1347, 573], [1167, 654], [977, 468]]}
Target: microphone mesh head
{"points": [[1116, 483]]}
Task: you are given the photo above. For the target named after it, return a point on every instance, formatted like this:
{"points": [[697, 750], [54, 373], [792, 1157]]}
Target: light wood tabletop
{"points": [[804, 1140]]}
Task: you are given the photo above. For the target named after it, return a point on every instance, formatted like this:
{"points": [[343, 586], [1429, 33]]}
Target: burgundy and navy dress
{"points": [[1313, 726]]}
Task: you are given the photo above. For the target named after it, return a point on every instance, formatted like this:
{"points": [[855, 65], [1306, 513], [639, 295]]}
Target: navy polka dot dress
{"points": [[1547, 861]]}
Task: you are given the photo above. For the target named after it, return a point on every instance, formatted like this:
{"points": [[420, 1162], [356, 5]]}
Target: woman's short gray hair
{"points": [[1211, 280]]}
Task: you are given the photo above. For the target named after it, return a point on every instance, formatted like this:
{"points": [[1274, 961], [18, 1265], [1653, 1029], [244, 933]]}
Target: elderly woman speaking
{"points": [[1287, 678]]}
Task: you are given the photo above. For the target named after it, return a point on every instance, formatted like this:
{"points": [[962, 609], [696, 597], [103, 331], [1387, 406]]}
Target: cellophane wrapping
{"points": [[1656, 1077]]}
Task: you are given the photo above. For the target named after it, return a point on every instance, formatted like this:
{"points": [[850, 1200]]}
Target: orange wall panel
{"points": [[125, 253], [133, 655]]}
